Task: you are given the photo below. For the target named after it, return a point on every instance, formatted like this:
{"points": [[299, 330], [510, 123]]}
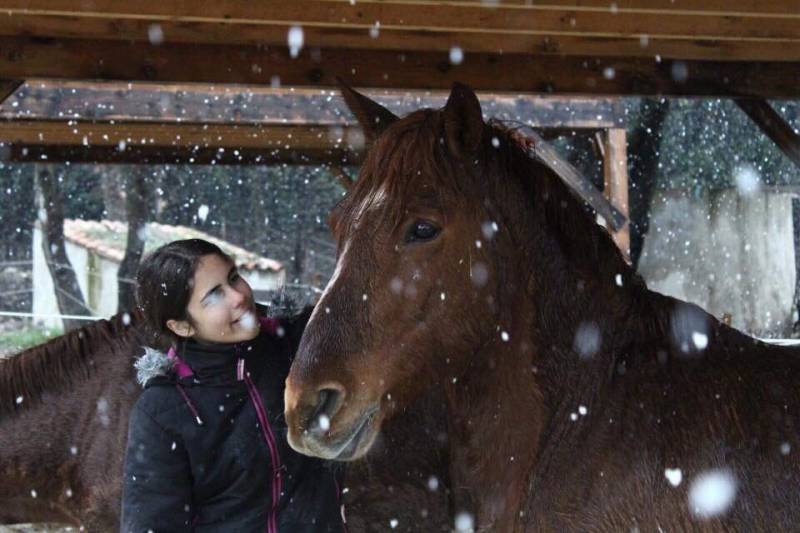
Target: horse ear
{"points": [[463, 121], [373, 117]]}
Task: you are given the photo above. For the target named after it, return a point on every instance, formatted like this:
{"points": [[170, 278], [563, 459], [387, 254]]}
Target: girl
{"points": [[207, 444]]}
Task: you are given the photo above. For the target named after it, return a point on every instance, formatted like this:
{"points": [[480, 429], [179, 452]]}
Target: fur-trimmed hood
{"points": [[152, 363]]}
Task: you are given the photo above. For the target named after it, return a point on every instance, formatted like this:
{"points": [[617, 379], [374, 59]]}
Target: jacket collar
{"points": [[214, 363], [204, 363]]}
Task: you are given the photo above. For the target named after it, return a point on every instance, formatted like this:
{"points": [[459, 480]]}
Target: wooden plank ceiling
{"points": [[623, 47]]}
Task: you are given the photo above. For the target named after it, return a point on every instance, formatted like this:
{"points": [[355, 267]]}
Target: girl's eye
{"points": [[421, 231], [213, 297], [235, 277]]}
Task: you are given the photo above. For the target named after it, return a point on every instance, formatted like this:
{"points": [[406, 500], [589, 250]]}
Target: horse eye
{"points": [[421, 230]]}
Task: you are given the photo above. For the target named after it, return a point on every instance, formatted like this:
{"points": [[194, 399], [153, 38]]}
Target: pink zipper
{"points": [[266, 432], [341, 504]]}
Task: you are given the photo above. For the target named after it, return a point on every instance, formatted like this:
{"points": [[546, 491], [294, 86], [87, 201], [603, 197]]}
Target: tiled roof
{"points": [[107, 238]]}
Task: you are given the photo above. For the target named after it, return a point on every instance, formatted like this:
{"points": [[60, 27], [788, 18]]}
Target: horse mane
{"points": [[587, 246], [413, 150], [60, 362], [411, 139], [647, 317]]}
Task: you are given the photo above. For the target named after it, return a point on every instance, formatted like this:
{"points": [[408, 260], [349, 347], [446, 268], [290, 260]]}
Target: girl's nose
{"points": [[238, 297]]}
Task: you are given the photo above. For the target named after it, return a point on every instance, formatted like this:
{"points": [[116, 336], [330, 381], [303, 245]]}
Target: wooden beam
{"points": [[233, 11], [721, 7], [196, 124], [148, 155], [615, 173], [143, 142], [559, 44], [89, 133], [7, 88], [344, 179], [577, 182], [22, 57], [638, 29], [51, 99], [773, 125]]}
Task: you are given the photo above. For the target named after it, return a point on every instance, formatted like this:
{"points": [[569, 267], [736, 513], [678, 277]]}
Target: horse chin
{"points": [[356, 442]]}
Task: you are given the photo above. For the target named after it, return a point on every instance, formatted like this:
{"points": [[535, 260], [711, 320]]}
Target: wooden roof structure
{"points": [[743, 49], [674, 47], [113, 122]]}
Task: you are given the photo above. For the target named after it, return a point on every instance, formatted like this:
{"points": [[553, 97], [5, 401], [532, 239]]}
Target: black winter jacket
{"points": [[207, 448]]}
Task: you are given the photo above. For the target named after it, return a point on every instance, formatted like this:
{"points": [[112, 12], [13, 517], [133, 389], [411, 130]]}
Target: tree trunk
{"points": [[643, 154], [113, 183], [796, 231], [65, 283], [136, 196], [300, 193]]}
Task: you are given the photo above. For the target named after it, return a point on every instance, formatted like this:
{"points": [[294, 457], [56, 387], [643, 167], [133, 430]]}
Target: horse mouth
{"points": [[352, 446]]}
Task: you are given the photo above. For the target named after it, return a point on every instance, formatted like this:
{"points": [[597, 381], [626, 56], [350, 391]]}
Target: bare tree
{"points": [[643, 155], [136, 201], [50, 203], [113, 183]]}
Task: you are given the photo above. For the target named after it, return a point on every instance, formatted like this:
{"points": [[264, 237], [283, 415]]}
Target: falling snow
{"points": [[456, 55], [700, 340], [202, 212], [712, 493], [587, 340], [674, 476], [464, 522], [747, 180], [155, 34], [295, 40]]}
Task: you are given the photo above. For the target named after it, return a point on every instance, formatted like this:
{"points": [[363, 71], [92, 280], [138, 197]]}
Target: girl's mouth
{"points": [[247, 320]]}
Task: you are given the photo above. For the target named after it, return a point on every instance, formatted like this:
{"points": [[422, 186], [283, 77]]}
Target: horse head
{"points": [[417, 284]]}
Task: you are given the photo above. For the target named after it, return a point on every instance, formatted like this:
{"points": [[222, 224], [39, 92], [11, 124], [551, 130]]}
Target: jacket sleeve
{"points": [[157, 483]]}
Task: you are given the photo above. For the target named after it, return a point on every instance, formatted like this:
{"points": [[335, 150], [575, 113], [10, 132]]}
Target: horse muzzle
{"points": [[336, 438]]}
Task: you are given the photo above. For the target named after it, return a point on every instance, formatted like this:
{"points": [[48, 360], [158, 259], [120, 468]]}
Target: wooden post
{"points": [[773, 125], [615, 172], [7, 88]]}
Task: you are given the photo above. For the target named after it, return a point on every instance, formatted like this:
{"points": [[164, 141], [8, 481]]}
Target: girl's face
{"points": [[221, 307]]}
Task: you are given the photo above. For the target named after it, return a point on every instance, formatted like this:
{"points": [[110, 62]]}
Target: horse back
{"points": [[63, 439], [731, 414]]}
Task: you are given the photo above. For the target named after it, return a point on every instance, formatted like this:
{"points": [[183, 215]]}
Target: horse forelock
{"points": [[406, 160], [64, 361]]}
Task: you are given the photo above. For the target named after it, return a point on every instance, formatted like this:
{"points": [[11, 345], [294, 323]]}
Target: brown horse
{"points": [[577, 399], [64, 409], [63, 424]]}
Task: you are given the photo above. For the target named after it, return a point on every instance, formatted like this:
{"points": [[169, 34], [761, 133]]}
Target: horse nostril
{"points": [[329, 400]]}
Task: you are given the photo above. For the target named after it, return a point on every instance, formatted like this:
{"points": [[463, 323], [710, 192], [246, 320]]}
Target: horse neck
{"points": [[495, 417], [519, 382]]}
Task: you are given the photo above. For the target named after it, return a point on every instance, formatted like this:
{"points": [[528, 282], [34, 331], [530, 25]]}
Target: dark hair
{"points": [[164, 285]]}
